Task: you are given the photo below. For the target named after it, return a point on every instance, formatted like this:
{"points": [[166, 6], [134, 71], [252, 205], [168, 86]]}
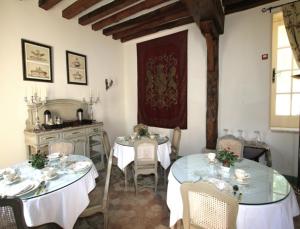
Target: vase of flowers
{"points": [[227, 158], [143, 132]]}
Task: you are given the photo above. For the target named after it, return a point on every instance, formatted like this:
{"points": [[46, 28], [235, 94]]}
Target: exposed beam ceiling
{"points": [[78, 7], [146, 4], [139, 21], [130, 19], [47, 4], [232, 6], [105, 11]]}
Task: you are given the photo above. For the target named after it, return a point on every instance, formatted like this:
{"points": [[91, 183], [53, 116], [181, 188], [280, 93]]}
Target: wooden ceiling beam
{"points": [[151, 23], [166, 10], [203, 10], [146, 4], [105, 11], [48, 4], [169, 25], [78, 7], [244, 5]]}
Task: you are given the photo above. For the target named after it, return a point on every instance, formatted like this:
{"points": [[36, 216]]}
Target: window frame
{"points": [[279, 121]]}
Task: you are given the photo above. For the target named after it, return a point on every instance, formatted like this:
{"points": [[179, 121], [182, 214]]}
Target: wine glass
{"points": [[240, 135], [257, 136], [226, 131]]}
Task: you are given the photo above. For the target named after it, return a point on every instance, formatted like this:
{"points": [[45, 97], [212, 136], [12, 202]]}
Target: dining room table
{"points": [[124, 151], [266, 199], [59, 198]]}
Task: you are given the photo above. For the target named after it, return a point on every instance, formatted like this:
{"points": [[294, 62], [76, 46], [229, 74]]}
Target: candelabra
{"points": [[35, 101], [91, 102]]}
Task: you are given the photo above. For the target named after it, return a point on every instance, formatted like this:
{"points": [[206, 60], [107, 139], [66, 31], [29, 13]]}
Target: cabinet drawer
{"points": [[48, 138], [73, 133], [94, 130]]}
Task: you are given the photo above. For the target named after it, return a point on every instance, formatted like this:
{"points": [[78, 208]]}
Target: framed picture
{"points": [[76, 68], [37, 61]]}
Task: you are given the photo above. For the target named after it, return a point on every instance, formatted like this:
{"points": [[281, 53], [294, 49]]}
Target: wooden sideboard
{"points": [[87, 138]]}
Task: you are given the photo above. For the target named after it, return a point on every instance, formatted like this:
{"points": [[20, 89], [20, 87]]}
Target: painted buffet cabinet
{"points": [[63, 123]]}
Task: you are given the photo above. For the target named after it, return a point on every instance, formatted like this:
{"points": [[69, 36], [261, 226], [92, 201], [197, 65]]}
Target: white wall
{"points": [[243, 89], [24, 19]]}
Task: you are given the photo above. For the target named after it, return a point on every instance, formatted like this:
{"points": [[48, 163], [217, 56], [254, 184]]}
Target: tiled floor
{"points": [[146, 210]]}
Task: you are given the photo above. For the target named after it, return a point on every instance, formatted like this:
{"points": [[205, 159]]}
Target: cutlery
{"points": [[40, 188]]}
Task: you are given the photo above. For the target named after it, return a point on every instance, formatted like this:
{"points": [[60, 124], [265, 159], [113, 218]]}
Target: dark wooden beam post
{"points": [[211, 35]]}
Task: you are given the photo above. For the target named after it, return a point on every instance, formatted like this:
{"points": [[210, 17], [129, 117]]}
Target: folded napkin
{"points": [[21, 188], [220, 184]]}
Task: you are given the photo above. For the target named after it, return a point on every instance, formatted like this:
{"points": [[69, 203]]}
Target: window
{"points": [[285, 97]]}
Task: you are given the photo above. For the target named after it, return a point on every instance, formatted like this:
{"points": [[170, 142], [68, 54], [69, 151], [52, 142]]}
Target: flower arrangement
{"points": [[143, 132], [227, 157]]}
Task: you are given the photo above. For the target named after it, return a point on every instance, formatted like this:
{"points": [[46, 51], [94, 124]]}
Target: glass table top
{"points": [[65, 176], [264, 185], [127, 141]]}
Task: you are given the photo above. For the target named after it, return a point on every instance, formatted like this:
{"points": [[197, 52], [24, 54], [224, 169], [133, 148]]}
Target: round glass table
{"points": [[264, 185], [60, 202], [266, 201]]}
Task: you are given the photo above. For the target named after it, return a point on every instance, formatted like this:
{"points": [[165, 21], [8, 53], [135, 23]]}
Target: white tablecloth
{"points": [[125, 154], [278, 215], [63, 206]]}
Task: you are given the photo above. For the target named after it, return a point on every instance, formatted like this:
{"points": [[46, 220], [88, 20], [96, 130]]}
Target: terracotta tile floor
{"points": [[146, 210]]}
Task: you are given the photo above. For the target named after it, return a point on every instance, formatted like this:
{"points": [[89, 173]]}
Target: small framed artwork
{"points": [[37, 61], [76, 68]]}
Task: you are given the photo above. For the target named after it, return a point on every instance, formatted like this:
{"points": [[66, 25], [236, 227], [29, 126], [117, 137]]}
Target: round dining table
{"points": [[124, 151], [266, 199], [62, 199]]}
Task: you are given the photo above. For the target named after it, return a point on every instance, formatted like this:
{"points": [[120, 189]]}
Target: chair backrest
{"points": [[64, 147], [107, 181], [139, 126], [145, 153], [176, 139], [11, 213], [205, 206], [232, 143], [106, 144]]}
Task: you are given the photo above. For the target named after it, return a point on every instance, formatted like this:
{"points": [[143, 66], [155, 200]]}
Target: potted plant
{"points": [[143, 132], [38, 160], [227, 157]]}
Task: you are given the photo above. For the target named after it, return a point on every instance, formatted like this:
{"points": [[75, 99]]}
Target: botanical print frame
{"points": [[76, 68], [37, 61]]}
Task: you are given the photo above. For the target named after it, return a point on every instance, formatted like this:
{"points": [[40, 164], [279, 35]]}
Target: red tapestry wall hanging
{"points": [[162, 81]]}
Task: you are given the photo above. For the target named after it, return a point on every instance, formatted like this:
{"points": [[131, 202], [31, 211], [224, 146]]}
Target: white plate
{"points": [[46, 178], [54, 156], [17, 179], [80, 166]]}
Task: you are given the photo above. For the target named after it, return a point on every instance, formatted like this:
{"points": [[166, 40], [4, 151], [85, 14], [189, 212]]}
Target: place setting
{"points": [[241, 176]]}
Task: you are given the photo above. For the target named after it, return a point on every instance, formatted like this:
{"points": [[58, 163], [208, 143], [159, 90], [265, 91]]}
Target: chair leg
{"points": [[135, 182], [105, 221], [156, 180], [125, 175], [165, 178]]}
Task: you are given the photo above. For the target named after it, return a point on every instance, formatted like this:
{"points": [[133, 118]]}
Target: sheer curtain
{"points": [[291, 16]]}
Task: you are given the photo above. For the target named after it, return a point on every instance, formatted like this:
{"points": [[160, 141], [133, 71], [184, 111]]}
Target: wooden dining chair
{"points": [[231, 143], [100, 203], [63, 146], [145, 160], [11, 213], [107, 148], [175, 144], [204, 206]]}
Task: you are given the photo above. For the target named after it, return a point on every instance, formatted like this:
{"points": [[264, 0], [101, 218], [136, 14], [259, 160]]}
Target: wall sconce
{"points": [[108, 83]]}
